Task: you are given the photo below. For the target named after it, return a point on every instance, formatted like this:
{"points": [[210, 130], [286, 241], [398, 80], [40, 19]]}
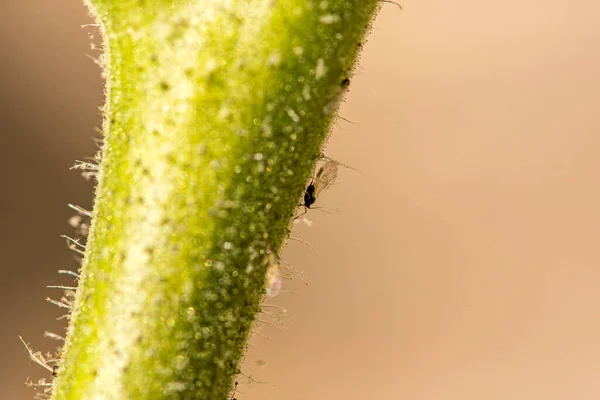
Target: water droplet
{"points": [[292, 114], [306, 92], [223, 113], [321, 69], [329, 18], [211, 65], [219, 266], [180, 362], [274, 59]]}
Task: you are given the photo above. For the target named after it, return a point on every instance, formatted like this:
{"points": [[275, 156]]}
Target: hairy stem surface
{"points": [[216, 113]]}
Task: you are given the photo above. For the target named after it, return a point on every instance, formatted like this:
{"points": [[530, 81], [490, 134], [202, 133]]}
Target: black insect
{"points": [[234, 390], [324, 178], [309, 196]]}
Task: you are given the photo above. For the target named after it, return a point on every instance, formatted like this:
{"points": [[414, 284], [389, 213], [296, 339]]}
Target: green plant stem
{"points": [[216, 113]]}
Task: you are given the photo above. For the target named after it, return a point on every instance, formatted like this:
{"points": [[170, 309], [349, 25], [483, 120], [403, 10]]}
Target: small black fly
{"points": [[323, 179], [234, 390]]}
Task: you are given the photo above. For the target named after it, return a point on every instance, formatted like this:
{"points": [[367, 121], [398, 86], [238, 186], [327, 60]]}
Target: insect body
{"points": [[234, 390], [309, 196], [324, 178]]}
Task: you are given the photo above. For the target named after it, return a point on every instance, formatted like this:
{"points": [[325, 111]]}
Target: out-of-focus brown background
{"points": [[464, 263]]}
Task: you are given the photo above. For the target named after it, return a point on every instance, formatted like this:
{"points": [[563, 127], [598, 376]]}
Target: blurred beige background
{"points": [[463, 265]]}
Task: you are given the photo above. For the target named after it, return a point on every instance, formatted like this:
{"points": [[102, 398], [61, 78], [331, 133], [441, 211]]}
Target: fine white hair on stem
{"points": [[260, 334], [88, 170], [37, 357], [272, 315], [61, 287], [251, 379], [86, 165], [73, 241], [72, 244], [264, 321], [278, 307], [59, 303], [280, 322], [41, 384], [289, 268], [392, 2], [348, 120], [54, 336], [304, 242], [97, 60], [68, 272], [80, 210]]}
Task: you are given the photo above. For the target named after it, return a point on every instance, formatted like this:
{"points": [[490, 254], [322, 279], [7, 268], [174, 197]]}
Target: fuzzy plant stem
{"points": [[216, 113]]}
